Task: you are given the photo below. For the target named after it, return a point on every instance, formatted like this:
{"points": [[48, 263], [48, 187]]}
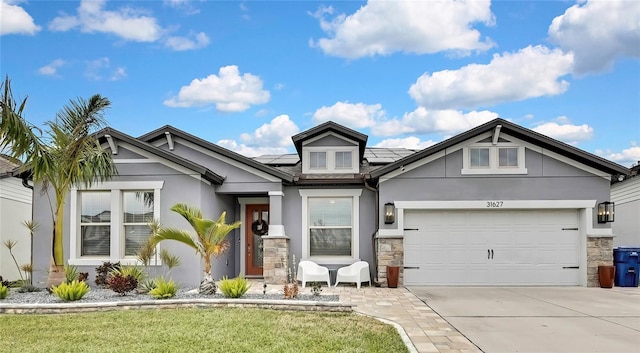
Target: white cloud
{"points": [[627, 157], [422, 27], [196, 41], [358, 115], [411, 142], [276, 133], [126, 22], [229, 91], [15, 20], [598, 32], [100, 69], [52, 68], [564, 131], [184, 5], [531, 72], [271, 138], [423, 121]]}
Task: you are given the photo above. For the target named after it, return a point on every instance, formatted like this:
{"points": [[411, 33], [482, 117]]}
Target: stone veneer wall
{"points": [[599, 253], [390, 253], [275, 258]]}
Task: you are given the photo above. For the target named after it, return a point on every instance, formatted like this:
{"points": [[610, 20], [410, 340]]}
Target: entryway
{"points": [[256, 225]]}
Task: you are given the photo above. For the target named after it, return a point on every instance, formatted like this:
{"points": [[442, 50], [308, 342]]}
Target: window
{"points": [[487, 158], [508, 157], [343, 159], [110, 221], [95, 224], [330, 224], [138, 212], [317, 160], [479, 157], [330, 160]]}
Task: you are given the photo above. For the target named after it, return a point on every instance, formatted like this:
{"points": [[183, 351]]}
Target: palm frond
{"points": [[177, 235]]}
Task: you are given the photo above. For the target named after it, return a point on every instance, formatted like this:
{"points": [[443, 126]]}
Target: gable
{"points": [[499, 128], [329, 139]]}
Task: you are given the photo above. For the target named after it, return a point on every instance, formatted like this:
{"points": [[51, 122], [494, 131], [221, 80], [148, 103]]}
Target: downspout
{"points": [[374, 244]]}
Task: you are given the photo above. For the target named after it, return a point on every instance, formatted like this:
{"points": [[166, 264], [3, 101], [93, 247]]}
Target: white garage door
{"points": [[477, 247]]}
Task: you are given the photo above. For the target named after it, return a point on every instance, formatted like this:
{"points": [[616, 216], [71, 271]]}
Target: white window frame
{"points": [[320, 169], [331, 160], [494, 167], [355, 225], [117, 221]]}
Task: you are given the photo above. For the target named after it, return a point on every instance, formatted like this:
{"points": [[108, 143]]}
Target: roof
{"points": [[160, 134], [516, 131], [206, 173], [332, 127], [8, 165], [374, 156]]}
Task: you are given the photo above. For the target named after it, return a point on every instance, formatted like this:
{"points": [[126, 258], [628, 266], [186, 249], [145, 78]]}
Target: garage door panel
{"points": [[479, 247]]}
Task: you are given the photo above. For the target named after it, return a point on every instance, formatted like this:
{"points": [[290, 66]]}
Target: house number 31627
{"points": [[494, 204]]}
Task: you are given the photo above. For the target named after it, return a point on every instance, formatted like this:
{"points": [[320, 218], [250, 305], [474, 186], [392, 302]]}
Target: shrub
{"points": [[70, 273], [233, 288], [133, 271], [121, 284], [4, 283], [102, 272], [70, 291], [4, 291], [27, 288], [147, 285], [164, 289]]}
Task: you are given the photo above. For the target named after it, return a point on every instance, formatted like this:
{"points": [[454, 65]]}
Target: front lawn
{"points": [[224, 330]]}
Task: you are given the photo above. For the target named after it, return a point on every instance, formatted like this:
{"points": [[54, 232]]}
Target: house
{"points": [[15, 208], [496, 205], [626, 196]]}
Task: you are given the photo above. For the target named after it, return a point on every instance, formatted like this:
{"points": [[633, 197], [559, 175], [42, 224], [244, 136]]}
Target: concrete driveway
{"points": [[547, 319]]}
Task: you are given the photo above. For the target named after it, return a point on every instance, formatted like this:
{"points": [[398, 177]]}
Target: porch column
{"points": [[276, 243], [275, 259], [276, 228]]}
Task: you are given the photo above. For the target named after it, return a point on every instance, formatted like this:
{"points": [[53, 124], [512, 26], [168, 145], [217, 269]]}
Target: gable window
{"points": [[330, 224], [503, 157], [508, 157], [109, 222], [343, 159], [479, 157], [318, 160]]}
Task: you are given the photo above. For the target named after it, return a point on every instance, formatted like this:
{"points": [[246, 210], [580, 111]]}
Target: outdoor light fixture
{"points": [[606, 211], [389, 213]]}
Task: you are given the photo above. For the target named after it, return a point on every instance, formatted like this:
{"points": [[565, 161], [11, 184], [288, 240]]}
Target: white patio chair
{"points": [[309, 271], [357, 272]]}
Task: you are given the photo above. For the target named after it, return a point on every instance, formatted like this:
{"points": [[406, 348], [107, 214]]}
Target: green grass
{"points": [[225, 330]]}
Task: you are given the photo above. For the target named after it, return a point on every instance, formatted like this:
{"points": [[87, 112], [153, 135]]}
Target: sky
{"points": [[247, 75]]}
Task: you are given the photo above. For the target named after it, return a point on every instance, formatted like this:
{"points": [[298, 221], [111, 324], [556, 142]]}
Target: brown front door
{"points": [[256, 225]]}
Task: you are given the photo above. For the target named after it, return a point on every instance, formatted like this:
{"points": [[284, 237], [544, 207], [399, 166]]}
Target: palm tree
{"points": [[65, 155], [211, 239]]}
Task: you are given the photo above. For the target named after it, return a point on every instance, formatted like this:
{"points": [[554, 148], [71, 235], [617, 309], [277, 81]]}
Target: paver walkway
{"points": [[427, 330]]}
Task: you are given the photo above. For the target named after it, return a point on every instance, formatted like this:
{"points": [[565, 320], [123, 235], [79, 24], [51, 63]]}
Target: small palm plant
{"points": [[210, 240]]}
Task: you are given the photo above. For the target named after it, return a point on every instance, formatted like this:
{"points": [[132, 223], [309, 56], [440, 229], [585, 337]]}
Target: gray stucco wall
{"points": [[546, 179], [237, 180], [626, 227], [177, 188], [292, 219]]}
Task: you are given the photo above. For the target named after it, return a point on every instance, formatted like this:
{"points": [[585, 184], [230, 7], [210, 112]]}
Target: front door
{"points": [[256, 225]]}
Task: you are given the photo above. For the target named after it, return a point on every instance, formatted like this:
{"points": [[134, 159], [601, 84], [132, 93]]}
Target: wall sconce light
{"points": [[606, 212], [389, 213]]}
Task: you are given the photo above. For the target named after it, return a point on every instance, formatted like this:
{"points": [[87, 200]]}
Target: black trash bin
{"points": [[627, 263]]}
